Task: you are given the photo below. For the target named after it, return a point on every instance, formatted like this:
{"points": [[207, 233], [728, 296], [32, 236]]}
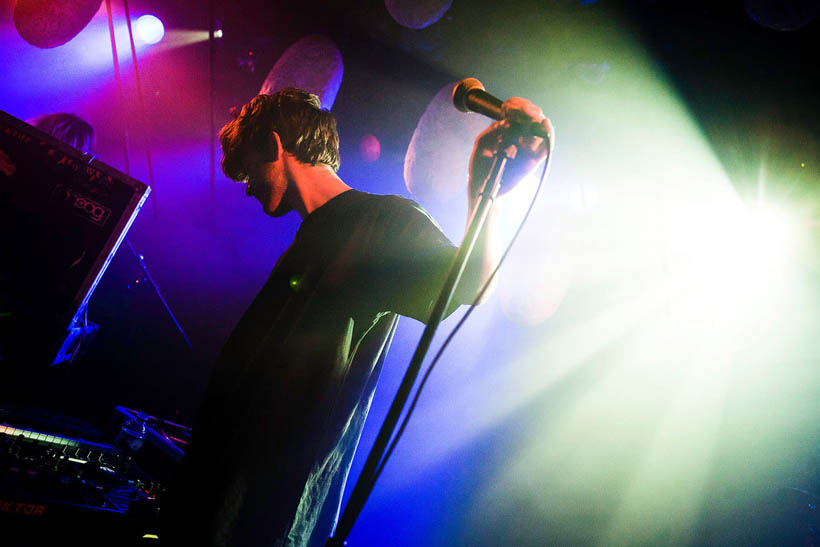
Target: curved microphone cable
{"points": [[383, 447], [458, 326]]}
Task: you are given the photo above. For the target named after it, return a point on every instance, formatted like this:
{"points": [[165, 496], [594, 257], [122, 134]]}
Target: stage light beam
{"points": [[678, 309]]}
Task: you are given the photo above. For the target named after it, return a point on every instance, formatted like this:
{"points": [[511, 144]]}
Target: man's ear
{"points": [[275, 146]]}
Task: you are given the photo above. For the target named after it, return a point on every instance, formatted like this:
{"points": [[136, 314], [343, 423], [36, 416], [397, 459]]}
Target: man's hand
{"points": [[525, 152]]}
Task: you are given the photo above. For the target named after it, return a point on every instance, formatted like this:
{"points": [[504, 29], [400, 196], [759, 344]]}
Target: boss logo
{"points": [[83, 205]]}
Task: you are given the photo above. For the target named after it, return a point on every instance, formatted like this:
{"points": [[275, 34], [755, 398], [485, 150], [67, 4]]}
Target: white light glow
{"points": [[150, 29]]}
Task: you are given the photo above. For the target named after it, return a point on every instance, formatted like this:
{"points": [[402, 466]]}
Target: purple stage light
{"points": [[150, 29], [66, 78]]}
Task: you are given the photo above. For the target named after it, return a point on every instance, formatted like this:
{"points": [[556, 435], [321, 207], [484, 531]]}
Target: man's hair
{"points": [[68, 128], [305, 129]]}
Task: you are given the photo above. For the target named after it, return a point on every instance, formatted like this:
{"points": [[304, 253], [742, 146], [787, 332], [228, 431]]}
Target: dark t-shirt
{"points": [[288, 396]]}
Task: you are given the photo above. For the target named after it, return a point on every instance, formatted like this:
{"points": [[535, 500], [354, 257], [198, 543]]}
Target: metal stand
{"points": [[150, 279], [372, 467]]}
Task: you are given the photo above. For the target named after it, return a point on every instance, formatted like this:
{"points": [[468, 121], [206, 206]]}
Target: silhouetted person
{"points": [[289, 394]]}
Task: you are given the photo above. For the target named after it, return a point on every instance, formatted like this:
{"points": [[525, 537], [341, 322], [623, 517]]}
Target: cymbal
{"points": [[51, 23]]}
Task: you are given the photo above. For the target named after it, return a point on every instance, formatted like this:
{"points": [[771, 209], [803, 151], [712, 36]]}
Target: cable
{"points": [[367, 479], [364, 485], [143, 114], [458, 326], [212, 93], [84, 326], [118, 79]]}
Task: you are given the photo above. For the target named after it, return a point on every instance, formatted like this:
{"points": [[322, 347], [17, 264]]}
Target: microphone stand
{"points": [[370, 472]]}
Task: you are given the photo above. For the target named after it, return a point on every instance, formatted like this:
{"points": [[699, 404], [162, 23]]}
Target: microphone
{"points": [[469, 96]]}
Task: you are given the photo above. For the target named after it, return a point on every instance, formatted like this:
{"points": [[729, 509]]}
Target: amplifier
{"points": [[63, 215]]}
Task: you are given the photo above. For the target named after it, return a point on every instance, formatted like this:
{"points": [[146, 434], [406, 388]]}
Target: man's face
{"points": [[268, 184]]}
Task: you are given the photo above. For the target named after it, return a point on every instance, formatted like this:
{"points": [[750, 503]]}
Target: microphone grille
{"points": [[460, 91]]}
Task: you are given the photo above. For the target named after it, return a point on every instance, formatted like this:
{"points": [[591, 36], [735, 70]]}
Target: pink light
{"points": [[369, 148]]}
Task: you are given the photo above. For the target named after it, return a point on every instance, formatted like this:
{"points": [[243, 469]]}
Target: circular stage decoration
{"points": [[782, 14], [417, 14], [532, 294], [313, 64], [51, 23], [436, 163], [370, 148]]}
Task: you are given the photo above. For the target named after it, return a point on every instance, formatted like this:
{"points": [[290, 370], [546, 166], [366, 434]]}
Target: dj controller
{"points": [[63, 481]]}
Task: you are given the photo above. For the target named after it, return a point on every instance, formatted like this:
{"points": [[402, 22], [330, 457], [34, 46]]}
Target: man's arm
{"points": [[526, 153]]}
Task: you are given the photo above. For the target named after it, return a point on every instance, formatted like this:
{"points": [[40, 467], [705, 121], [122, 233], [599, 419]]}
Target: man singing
{"points": [[289, 394]]}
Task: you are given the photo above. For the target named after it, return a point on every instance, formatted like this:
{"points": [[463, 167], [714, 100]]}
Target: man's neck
{"points": [[312, 186]]}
